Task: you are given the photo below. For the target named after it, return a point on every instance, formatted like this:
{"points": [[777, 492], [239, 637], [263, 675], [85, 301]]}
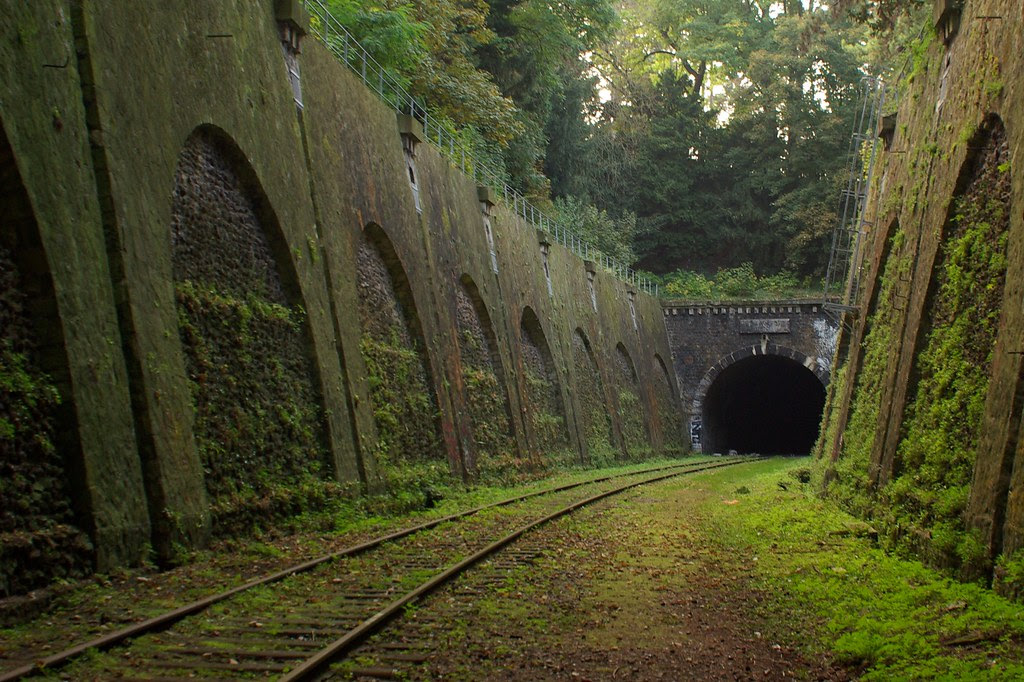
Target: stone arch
{"points": [[39, 536], [486, 390], [597, 427], [259, 419], [544, 402], [803, 376], [401, 379], [631, 410], [668, 413]]}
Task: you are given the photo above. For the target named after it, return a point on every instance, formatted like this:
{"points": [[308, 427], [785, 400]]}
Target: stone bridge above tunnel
{"points": [[751, 374]]}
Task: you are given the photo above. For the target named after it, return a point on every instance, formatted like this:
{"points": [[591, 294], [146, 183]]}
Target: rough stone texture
{"points": [[485, 389], [44, 123], [39, 538], [631, 410], [402, 394], [670, 419], [258, 416], [144, 99], [956, 86], [97, 114], [220, 232], [547, 416], [597, 422]]}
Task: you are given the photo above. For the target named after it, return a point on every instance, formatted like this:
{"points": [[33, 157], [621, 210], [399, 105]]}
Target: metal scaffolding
{"points": [[842, 279]]}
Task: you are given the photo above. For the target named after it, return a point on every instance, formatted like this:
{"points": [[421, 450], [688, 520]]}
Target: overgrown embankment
{"points": [[923, 423]]}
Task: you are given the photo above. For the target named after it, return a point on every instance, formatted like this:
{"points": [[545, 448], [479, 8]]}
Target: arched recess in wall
{"points": [[590, 390], [39, 538], [485, 388], [671, 419], [259, 422], [949, 381], [631, 408], [765, 399], [543, 390], [405, 405]]}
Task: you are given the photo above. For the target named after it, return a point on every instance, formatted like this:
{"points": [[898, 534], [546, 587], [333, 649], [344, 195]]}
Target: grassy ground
{"points": [[734, 574], [49, 620], [739, 573], [888, 618]]}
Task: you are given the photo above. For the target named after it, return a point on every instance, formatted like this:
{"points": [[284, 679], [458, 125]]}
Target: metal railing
{"points": [[347, 49], [842, 279]]}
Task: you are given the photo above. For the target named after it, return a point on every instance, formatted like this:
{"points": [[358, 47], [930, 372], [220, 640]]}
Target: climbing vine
{"points": [[944, 415], [258, 424], [851, 484], [38, 537]]}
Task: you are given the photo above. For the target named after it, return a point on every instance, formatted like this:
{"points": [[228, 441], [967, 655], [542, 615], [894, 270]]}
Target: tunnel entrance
{"points": [[765, 404]]}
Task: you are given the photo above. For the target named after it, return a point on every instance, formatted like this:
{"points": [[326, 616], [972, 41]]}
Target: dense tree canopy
{"points": [[676, 134]]}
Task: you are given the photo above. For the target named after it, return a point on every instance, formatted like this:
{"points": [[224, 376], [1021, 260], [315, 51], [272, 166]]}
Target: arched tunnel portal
{"points": [[767, 403]]}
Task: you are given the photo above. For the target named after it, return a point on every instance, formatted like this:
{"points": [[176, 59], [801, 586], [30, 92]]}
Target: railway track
{"points": [[293, 624]]}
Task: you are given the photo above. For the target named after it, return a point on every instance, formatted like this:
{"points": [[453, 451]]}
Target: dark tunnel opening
{"points": [[764, 404]]}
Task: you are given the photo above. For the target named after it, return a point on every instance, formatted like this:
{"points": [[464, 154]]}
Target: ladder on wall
{"points": [[842, 279]]}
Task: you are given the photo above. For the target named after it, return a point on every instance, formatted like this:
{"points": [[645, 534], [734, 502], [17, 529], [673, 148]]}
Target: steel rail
{"points": [[173, 616], [313, 666]]}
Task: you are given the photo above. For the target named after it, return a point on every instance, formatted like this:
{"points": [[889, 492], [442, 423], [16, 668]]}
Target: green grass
{"points": [[891, 618]]}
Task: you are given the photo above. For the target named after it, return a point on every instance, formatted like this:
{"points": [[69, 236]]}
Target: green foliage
{"points": [[845, 597], [740, 282], [548, 423], [631, 413], [851, 485], [941, 427], [38, 537], [38, 540], [258, 424], [611, 236], [497, 458], [403, 409], [730, 127]]}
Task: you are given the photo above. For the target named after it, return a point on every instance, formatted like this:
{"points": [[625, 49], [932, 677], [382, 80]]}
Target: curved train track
{"points": [[294, 623]]}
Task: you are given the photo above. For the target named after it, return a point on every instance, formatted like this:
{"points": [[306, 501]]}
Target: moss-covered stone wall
{"points": [[245, 291], [258, 421], [401, 391], [543, 391], [922, 430], [39, 536], [631, 410], [485, 389], [594, 408]]}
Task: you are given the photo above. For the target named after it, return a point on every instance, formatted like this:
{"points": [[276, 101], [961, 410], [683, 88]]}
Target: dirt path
{"points": [[634, 591]]}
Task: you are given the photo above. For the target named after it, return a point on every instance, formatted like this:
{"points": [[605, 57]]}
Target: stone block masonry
{"points": [[233, 290], [707, 338]]}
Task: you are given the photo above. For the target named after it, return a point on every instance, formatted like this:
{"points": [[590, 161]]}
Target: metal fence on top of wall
{"points": [[347, 49]]}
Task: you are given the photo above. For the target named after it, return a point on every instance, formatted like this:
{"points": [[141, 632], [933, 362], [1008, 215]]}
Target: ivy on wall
{"points": [[941, 426], [409, 453], [598, 424], [486, 397], [258, 416]]}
